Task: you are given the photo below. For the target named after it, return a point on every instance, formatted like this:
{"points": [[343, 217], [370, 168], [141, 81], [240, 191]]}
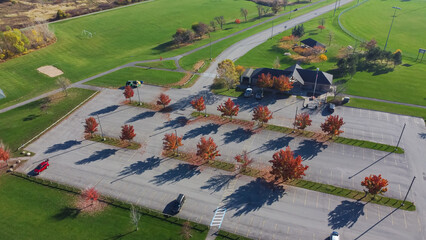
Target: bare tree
{"points": [[277, 64], [186, 230], [244, 13], [220, 20], [135, 216], [330, 37], [337, 90], [213, 25], [63, 83], [259, 10], [45, 104], [276, 6]]}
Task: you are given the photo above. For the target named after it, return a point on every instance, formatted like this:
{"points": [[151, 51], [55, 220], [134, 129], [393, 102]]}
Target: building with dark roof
{"points": [[303, 78], [312, 43]]}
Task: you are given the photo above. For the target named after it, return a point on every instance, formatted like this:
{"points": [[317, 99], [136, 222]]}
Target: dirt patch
{"points": [[89, 207], [50, 71]]}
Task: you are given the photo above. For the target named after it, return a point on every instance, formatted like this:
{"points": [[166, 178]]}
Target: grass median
{"points": [[167, 64]]}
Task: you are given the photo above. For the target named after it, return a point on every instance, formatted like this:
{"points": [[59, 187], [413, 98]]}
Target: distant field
{"points": [[118, 79]]}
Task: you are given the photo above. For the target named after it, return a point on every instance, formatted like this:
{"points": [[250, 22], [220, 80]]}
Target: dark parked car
{"points": [[133, 84], [331, 107], [41, 167], [259, 95], [180, 200]]}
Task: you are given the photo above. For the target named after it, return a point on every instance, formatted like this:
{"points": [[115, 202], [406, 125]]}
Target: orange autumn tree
{"points": [[172, 142], [164, 100], [207, 149], [265, 81], [375, 184], [91, 126], [332, 125], [4, 152], [128, 93], [321, 27], [229, 108], [240, 70], [262, 114], [282, 83], [302, 121], [286, 167], [244, 160], [198, 104], [127, 133], [90, 194]]}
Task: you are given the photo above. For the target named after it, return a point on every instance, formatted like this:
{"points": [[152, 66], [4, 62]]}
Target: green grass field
{"points": [[404, 84], [150, 76], [34, 211], [168, 64], [19, 125]]}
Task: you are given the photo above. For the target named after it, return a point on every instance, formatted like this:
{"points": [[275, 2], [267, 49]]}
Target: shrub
{"points": [[61, 14], [237, 21]]}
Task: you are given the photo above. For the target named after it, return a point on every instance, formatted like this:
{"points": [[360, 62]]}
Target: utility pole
{"points": [[294, 124], [393, 18], [100, 126], [406, 195], [403, 128], [210, 47], [315, 86], [335, 6], [272, 32], [139, 96], [290, 13], [177, 147]]}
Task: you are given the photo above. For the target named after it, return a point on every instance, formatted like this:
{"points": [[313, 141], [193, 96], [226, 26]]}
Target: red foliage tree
{"points": [[128, 93], [265, 81], [207, 149], [198, 104], [229, 108], [237, 21], [244, 159], [91, 126], [332, 125], [164, 100], [90, 194], [321, 27], [375, 184], [171, 142], [127, 132], [285, 166], [282, 83], [262, 114], [4, 152], [302, 121]]}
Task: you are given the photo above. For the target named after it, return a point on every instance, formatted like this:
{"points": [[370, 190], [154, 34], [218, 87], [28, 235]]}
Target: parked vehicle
{"points": [[41, 167], [334, 236], [133, 84], [345, 100], [259, 95], [331, 107], [248, 92], [180, 200]]}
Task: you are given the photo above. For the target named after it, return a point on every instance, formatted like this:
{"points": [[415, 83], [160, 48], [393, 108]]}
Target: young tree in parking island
{"points": [[207, 149], [282, 83], [229, 108], [262, 114], [198, 104], [172, 142], [375, 184], [302, 121], [127, 133], [4, 152], [90, 194], [286, 167], [244, 159], [91, 126], [332, 125], [164, 100], [128, 93]]}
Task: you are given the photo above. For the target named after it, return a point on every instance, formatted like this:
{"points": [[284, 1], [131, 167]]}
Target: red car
{"points": [[41, 167]]}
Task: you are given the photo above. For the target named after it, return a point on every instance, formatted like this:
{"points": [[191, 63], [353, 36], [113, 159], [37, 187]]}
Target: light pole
{"points": [[272, 32], [290, 13], [393, 18], [335, 6], [315, 86], [210, 47]]}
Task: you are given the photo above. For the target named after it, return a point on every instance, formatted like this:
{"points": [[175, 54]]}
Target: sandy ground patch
{"points": [[50, 71]]}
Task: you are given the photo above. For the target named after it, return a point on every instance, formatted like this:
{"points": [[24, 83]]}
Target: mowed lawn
{"points": [[404, 84], [118, 78], [167, 64], [373, 18], [19, 125], [139, 32], [33, 211]]}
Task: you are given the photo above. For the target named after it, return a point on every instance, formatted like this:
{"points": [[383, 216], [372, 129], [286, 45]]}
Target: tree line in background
{"points": [[14, 42]]}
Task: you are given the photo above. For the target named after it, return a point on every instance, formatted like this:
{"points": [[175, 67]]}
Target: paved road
{"points": [[254, 209]]}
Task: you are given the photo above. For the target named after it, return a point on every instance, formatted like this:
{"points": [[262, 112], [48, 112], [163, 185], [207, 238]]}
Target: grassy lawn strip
{"points": [[21, 124], [223, 235], [150, 76], [232, 92], [167, 64], [115, 142], [387, 107], [34, 202]]}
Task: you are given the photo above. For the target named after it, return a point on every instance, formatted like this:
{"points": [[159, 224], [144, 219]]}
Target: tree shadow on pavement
{"points": [[211, 128], [422, 135], [67, 212], [274, 144], [98, 155], [209, 99], [181, 172], [253, 196], [237, 135], [105, 110], [309, 149], [141, 116], [346, 214], [218, 182], [139, 167], [62, 146], [175, 123]]}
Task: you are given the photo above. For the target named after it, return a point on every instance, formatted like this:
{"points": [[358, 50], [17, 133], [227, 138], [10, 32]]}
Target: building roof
{"points": [[312, 43], [309, 76], [272, 71]]}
